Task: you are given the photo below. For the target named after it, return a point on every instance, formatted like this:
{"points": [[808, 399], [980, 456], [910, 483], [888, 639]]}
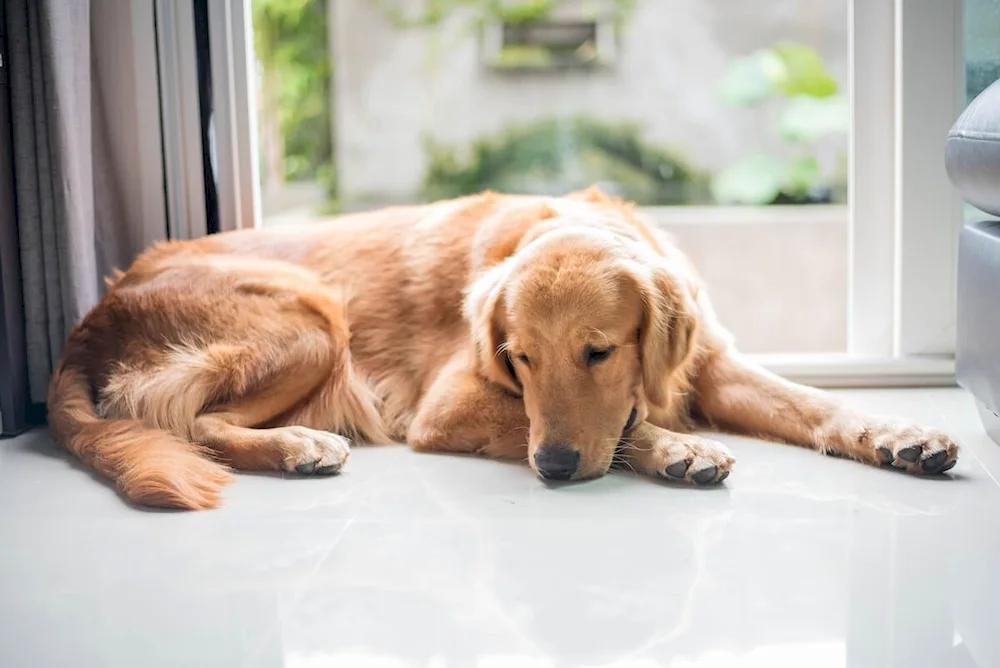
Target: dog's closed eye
{"points": [[595, 356]]}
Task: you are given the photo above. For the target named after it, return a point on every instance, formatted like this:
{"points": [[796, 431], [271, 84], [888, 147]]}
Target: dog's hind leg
{"points": [[260, 391], [233, 429]]}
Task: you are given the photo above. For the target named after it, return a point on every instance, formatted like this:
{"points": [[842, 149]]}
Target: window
{"points": [[704, 113], [982, 61], [794, 148], [548, 44], [982, 45]]}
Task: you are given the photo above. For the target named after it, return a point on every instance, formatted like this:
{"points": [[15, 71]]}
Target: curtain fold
{"points": [[68, 203]]}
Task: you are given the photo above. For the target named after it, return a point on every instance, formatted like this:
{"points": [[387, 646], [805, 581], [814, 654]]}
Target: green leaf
{"points": [[752, 78], [808, 119], [756, 179], [804, 71], [803, 174], [526, 11]]}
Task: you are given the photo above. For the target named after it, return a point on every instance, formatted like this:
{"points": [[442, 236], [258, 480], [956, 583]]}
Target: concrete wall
{"points": [[779, 282], [392, 86]]}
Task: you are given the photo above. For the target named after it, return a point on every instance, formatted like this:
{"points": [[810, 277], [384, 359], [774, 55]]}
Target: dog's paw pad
{"points": [[677, 469], [935, 462], [706, 475]]}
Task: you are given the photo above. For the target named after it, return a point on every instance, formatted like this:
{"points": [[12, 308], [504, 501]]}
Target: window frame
{"points": [[183, 177], [235, 119], [907, 88], [904, 215]]}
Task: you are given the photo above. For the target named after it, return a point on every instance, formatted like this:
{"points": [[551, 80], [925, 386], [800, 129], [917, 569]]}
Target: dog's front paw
{"points": [[692, 458], [910, 447]]}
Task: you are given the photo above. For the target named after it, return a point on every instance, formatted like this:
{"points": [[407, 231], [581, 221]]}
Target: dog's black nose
{"points": [[557, 462]]}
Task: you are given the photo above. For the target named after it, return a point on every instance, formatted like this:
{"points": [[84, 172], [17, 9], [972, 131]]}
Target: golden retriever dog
{"points": [[564, 331]]}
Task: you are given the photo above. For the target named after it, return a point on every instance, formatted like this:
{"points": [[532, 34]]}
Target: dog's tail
{"points": [[150, 466]]}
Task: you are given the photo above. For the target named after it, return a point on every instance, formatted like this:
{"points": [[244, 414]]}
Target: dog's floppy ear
{"points": [[486, 312], [667, 330], [501, 235]]}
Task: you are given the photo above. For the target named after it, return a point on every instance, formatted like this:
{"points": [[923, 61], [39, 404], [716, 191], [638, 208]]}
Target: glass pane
{"points": [[982, 45], [683, 106], [982, 61]]}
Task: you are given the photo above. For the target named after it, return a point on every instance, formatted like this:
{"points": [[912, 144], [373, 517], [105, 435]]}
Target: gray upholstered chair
{"points": [[973, 161]]}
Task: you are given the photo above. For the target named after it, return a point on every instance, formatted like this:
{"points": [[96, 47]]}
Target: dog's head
{"points": [[588, 323]]}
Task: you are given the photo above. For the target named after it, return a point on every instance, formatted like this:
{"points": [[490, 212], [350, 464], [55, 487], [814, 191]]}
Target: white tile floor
{"points": [[798, 561]]}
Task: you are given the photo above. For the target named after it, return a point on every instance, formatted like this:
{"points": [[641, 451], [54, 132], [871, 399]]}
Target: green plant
{"points": [[290, 40], [475, 15], [552, 156], [434, 12], [811, 110]]}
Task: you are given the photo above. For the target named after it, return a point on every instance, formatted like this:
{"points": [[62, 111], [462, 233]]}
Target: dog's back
{"points": [[198, 327]]}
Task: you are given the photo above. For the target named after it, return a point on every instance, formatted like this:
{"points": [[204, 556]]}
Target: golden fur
{"points": [[565, 331]]}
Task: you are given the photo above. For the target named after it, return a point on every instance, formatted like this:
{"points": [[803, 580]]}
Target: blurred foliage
{"points": [[553, 156], [812, 110], [525, 56], [290, 38], [480, 12]]}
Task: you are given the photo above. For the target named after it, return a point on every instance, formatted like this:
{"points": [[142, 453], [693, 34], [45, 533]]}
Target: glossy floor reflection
{"points": [[448, 562]]}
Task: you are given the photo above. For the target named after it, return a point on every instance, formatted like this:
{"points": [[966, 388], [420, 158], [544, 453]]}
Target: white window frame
{"points": [[183, 181], [234, 100], [907, 88], [907, 83], [907, 78]]}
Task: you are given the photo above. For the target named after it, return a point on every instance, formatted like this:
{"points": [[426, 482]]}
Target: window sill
{"points": [[748, 215], [837, 370]]}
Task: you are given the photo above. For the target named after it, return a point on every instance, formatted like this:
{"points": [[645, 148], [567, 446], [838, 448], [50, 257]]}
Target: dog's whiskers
{"points": [[623, 461]]}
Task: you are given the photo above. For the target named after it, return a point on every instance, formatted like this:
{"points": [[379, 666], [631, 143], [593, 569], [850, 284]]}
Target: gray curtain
{"points": [[67, 202]]}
